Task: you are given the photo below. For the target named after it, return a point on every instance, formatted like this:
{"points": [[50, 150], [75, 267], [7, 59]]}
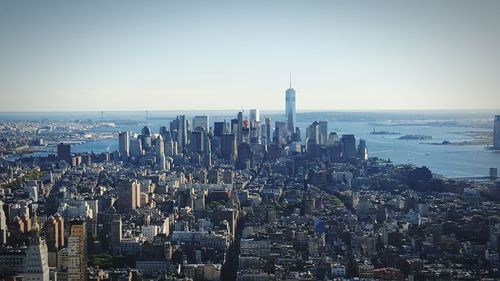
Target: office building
{"points": [[280, 132], [333, 138], [77, 251], [146, 131], [207, 151], [146, 141], [496, 132], [245, 157], [54, 229], [124, 145], [64, 152], [159, 146], [116, 232], [174, 125], [36, 265], [245, 131], [290, 108], [349, 147], [201, 122], [323, 132], [229, 147], [254, 117], [182, 132], [296, 137], [136, 148], [313, 132], [233, 126], [219, 129], [129, 195], [163, 163], [239, 128], [163, 131], [268, 129], [196, 141], [362, 150], [170, 148], [255, 133]]}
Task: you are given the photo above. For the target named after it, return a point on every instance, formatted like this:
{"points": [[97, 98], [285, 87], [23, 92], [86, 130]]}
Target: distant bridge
{"points": [[476, 179]]}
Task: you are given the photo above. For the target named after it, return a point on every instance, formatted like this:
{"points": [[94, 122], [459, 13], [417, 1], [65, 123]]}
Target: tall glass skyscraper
{"points": [[496, 132], [290, 108]]}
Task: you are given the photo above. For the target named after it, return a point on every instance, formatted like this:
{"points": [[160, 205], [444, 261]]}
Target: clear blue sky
{"points": [[168, 55]]}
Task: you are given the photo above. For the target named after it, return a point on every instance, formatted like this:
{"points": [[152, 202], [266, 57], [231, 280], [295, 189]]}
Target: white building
{"points": [[254, 116], [150, 231]]}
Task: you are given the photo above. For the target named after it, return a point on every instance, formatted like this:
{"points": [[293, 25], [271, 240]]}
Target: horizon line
{"points": [[237, 110]]}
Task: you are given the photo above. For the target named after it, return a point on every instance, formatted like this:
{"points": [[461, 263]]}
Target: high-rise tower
{"points": [[129, 195], [239, 130], [182, 137], [496, 132], [36, 267], [77, 251], [124, 145], [290, 108], [254, 117]]}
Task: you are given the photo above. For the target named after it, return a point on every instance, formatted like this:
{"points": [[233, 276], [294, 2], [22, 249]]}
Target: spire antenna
{"points": [[290, 79]]}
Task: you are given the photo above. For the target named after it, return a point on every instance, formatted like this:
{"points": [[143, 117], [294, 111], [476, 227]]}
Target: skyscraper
{"points": [[182, 137], [77, 251], [245, 157], [349, 147], [36, 266], [136, 148], [333, 138], [163, 131], [207, 157], [290, 109], [116, 232], [219, 128], [280, 131], [362, 150], [496, 132], [129, 195], [54, 229], [159, 146], [323, 132], [64, 152], [254, 117], [196, 141], [229, 147], [201, 122], [146, 131], [124, 145], [313, 132], [239, 128], [170, 148], [268, 130]]}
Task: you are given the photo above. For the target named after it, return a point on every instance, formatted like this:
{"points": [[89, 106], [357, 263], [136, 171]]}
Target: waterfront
{"points": [[448, 160]]}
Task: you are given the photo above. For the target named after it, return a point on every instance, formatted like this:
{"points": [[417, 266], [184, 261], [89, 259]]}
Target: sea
{"points": [[453, 161]]}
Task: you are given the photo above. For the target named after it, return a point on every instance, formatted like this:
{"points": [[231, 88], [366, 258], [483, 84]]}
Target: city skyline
{"points": [[249, 140], [91, 56]]}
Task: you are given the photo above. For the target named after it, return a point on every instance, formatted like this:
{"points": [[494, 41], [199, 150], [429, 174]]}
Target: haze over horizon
{"points": [[163, 55]]}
